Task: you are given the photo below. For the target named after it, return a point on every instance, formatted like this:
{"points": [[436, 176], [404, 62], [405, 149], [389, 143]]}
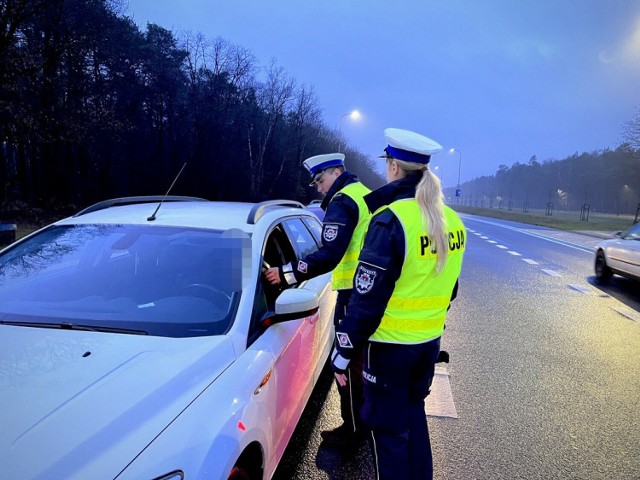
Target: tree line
{"points": [[604, 181], [93, 107]]}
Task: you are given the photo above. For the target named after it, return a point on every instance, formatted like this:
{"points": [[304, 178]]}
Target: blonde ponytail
{"points": [[429, 197], [431, 201]]}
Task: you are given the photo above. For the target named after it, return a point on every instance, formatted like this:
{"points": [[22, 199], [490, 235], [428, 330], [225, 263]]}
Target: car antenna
{"points": [[153, 216]]}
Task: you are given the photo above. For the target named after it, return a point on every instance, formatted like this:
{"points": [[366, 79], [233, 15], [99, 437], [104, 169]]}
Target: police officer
{"points": [[344, 224], [406, 277]]}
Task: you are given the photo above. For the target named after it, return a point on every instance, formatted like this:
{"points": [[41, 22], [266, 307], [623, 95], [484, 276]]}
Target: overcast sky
{"points": [[499, 80]]}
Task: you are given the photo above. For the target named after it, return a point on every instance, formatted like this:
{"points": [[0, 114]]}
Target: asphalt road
{"points": [[545, 370]]}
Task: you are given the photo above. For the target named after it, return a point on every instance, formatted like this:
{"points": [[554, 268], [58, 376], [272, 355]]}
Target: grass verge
{"points": [[561, 220]]}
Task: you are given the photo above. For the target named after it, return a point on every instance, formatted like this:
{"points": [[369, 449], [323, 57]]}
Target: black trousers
{"points": [[351, 395], [398, 379]]}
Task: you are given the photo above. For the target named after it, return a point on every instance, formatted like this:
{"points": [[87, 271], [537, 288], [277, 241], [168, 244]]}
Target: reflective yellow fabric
{"points": [[342, 276], [417, 308]]}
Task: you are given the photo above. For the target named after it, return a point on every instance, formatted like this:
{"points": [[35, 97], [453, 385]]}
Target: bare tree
{"points": [[304, 118], [274, 98], [631, 130]]}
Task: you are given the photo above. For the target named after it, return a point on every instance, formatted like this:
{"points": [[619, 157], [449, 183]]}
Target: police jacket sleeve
{"points": [[340, 220], [379, 267]]}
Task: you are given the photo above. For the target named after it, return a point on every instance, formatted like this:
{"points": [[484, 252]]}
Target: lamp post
{"points": [[459, 165], [354, 114]]}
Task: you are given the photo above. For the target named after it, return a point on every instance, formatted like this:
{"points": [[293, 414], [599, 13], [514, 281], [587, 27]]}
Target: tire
{"points": [[603, 272], [239, 473]]}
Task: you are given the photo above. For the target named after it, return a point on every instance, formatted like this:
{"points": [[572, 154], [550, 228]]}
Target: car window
{"points": [[633, 233], [301, 238], [315, 227], [165, 281], [276, 251]]}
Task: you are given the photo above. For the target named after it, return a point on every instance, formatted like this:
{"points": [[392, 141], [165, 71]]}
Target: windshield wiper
{"points": [[74, 326]]}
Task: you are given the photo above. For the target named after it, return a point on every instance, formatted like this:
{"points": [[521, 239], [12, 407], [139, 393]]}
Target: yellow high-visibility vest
{"points": [[418, 305], [342, 276]]}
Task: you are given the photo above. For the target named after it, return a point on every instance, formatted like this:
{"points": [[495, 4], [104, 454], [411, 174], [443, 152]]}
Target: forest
{"points": [[93, 107], [606, 181]]}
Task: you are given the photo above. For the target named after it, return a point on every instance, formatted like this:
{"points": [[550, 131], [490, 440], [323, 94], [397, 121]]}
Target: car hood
{"points": [[85, 404]]}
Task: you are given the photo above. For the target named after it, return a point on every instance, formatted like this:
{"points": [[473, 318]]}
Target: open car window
{"points": [[277, 250]]}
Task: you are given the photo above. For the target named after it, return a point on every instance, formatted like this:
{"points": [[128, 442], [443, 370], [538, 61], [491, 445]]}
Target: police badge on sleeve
{"points": [[343, 340], [330, 232], [364, 279]]}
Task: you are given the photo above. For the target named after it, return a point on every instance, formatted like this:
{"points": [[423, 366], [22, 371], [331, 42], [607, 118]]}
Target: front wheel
{"points": [[603, 272], [238, 473]]}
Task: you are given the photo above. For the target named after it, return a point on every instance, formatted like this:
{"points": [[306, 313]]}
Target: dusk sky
{"points": [[499, 80]]}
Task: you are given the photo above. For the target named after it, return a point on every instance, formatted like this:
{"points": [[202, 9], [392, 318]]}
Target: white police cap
{"points": [[410, 146], [318, 164]]}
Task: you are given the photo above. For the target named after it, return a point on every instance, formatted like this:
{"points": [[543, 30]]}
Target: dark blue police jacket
{"points": [[341, 216]]}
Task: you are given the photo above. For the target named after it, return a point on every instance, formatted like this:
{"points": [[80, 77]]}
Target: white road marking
{"points": [[530, 262], [502, 246], [440, 401], [582, 289], [476, 233], [492, 241], [484, 238], [543, 237], [515, 254], [552, 273], [627, 312]]}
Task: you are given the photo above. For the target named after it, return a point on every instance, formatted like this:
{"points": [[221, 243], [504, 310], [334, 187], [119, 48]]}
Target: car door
{"points": [[292, 344], [625, 253]]}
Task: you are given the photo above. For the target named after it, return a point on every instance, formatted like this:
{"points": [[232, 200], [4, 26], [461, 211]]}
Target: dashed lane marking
{"points": [[552, 273], [530, 262], [492, 241], [627, 312], [502, 246], [483, 237], [515, 254], [582, 289], [440, 401]]}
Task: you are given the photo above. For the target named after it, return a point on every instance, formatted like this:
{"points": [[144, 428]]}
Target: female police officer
{"points": [[406, 277]]}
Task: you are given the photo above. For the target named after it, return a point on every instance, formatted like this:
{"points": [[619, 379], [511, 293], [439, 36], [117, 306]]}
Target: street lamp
{"points": [[354, 115], [459, 165]]}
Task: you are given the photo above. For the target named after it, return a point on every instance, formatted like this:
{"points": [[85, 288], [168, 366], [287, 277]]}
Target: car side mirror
{"points": [[618, 234], [292, 304]]}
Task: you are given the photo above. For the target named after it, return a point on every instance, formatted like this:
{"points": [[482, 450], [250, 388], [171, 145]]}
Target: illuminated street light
{"points": [[459, 165], [354, 115]]}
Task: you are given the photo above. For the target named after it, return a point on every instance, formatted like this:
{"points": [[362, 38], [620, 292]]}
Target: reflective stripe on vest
{"points": [[342, 276], [417, 308]]}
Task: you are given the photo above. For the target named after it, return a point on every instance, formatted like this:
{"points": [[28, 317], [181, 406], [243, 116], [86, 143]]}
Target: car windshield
{"points": [[633, 233], [165, 281]]}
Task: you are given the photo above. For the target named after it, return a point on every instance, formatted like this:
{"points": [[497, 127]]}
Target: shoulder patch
{"points": [[364, 279], [330, 232]]}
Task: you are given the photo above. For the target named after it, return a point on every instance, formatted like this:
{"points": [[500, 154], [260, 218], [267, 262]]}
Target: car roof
{"points": [[186, 212]]}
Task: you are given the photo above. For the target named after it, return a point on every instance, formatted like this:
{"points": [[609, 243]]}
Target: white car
{"points": [[620, 255], [140, 345]]}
